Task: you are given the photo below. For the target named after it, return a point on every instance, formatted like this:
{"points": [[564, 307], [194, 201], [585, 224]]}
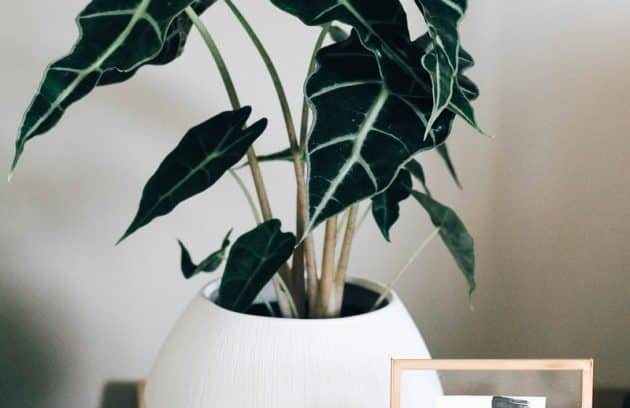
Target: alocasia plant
{"points": [[379, 99]]}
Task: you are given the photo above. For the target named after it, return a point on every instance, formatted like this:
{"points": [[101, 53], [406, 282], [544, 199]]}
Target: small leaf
{"points": [[386, 206], [254, 259], [210, 264], [206, 152], [443, 152], [416, 170], [114, 36], [454, 234]]}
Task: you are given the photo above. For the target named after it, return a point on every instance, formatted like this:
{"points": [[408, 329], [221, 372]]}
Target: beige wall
{"points": [[546, 199]]}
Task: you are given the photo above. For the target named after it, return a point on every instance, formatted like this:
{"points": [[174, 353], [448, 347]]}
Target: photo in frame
{"points": [[583, 366]]}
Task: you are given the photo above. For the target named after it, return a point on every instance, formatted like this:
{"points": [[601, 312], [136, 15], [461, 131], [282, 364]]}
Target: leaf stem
{"points": [[311, 67], [400, 273], [344, 258], [327, 280], [248, 195], [309, 247], [254, 166]]}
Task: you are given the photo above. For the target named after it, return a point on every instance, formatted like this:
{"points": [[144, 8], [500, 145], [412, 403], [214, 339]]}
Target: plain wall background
{"points": [[547, 200]]}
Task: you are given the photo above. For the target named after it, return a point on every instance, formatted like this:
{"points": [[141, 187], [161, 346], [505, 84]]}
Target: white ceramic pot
{"points": [[218, 358]]}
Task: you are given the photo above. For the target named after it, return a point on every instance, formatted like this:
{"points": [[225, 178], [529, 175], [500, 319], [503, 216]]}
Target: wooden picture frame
{"points": [[584, 366]]}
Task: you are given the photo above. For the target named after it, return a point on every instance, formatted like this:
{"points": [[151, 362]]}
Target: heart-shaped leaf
{"points": [[382, 26], [415, 168], [454, 235], [386, 206], [366, 127], [210, 264], [115, 36], [174, 43], [206, 152], [254, 259]]}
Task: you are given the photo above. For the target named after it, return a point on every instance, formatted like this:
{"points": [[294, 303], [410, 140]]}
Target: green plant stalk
{"points": [[400, 273], [308, 245], [248, 195], [309, 248], [326, 283], [344, 258], [311, 67], [251, 153]]}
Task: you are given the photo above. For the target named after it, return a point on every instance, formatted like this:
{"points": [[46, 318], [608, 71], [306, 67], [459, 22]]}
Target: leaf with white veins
{"points": [[114, 36], [382, 27], [204, 154], [173, 47], [254, 259], [366, 128], [442, 59], [210, 264]]}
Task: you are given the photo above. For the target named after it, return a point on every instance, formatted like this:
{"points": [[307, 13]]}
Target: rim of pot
{"points": [[208, 294]]}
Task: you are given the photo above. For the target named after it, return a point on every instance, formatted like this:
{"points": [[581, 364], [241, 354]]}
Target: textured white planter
{"points": [[218, 358]]}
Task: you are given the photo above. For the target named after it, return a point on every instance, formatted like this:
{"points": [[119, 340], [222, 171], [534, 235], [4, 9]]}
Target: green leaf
{"points": [[416, 170], [454, 235], [365, 130], [254, 259], [114, 35], [210, 264], [174, 43], [386, 206], [442, 59], [382, 27], [443, 152], [206, 152]]}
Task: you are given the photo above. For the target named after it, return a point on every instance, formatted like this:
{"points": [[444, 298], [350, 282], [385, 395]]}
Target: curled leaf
{"points": [[210, 264]]}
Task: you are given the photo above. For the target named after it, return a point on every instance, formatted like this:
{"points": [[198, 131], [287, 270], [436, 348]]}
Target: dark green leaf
{"points": [[366, 128], [210, 264], [174, 43], [199, 160], [442, 59], [254, 259], [443, 152], [386, 205], [454, 234], [416, 170], [382, 26], [115, 36]]}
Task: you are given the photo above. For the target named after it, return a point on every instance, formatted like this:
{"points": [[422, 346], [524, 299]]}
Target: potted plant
{"points": [[378, 98]]}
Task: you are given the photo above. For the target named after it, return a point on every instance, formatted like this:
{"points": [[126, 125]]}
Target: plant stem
{"points": [[413, 257], [363, 217], [301, 261], [311, 67], [328, 269], [344, 258], [254, 166], [248, 196], [309, 247]]}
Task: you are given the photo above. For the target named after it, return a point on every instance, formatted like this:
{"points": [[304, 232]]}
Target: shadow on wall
{"points": [[29, 369]]}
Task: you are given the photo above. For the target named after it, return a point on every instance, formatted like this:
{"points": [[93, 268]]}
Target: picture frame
{"points": [[584, 366]]}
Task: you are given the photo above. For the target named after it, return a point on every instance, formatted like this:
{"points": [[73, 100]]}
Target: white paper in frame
{"points": [[583, 366]]}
